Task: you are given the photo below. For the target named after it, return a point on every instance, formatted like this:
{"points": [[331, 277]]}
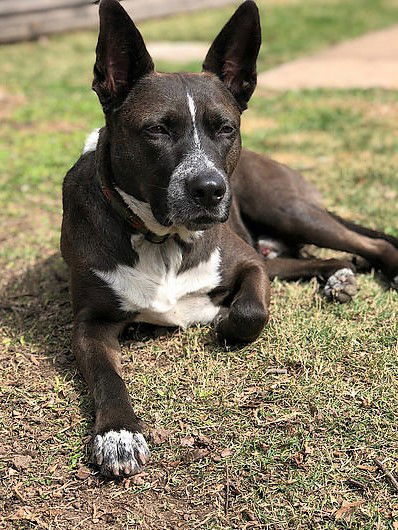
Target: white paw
{"points": [[120, 453], [341, 286], [394, 283]]}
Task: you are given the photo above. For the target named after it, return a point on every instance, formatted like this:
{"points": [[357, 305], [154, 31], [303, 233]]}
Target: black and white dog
{"points": [[164, 216]]}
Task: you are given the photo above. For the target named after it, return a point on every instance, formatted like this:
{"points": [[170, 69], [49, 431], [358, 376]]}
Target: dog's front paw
{"points": [[242, 323], [120, 453], [341, 286]]}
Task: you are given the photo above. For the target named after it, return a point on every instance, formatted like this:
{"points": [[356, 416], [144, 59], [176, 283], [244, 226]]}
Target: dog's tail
{"points": [[374, 234]]}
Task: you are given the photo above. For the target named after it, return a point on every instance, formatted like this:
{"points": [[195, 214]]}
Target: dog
{"points": [[166, 220]]}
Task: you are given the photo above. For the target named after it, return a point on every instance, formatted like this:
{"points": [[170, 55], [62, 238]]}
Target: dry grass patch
{"points": [[252, 123]]}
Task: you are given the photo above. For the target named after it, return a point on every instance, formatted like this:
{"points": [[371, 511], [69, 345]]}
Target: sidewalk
{"points": [[365, 62], [178, 52]]}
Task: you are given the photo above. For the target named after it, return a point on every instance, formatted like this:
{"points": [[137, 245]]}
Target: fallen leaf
{"points": [[202, 440], [395, 525], [52, 469], [187, 441], [233, 489], [23, 513], [83, 472], [57, 494], [299, 459], [21, 462], [159, 435], [196, 454], [18, 493], [139, 479], [346, 510], [308, 450], [371, 469], [253, 399], [226, 452], [248, 515]]}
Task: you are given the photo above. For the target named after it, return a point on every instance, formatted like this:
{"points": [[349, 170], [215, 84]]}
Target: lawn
{"points": [[280, 434]]}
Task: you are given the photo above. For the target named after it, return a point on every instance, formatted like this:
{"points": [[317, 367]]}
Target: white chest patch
{"points": [[156, 290], [91, 141]]}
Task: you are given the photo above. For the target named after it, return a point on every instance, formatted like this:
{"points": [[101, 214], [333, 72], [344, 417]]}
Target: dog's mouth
{"points": [[184, 213], [203, 222]]}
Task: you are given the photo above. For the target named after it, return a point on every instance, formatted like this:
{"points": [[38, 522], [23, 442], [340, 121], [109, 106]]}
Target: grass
{"points": [[285, 431]]}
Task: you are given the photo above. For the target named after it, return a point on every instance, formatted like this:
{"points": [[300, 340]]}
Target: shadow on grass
{"points": [[35, 310], [36, 316]]}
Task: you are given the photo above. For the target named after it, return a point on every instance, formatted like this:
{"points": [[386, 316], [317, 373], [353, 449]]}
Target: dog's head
{"points": [[174, 138]]}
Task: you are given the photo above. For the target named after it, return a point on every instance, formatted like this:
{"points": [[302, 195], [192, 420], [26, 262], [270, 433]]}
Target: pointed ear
{"points": [[122, 57], [233, 54]]}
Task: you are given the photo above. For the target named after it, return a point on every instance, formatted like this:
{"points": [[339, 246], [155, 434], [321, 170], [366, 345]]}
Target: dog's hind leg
{"points": [[118, 446], [338, 275], [310, 224], [275, 200], [374, 234], [300, 222]]}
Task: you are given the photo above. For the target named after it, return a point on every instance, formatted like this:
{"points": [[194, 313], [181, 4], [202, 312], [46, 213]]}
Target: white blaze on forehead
{"points": [[192, 110], [197, 157]]}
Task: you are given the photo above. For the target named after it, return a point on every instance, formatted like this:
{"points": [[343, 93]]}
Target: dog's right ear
{"points": [[233, 54], [122, 57]]}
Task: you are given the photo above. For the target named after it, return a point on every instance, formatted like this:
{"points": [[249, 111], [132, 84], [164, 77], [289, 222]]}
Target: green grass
{"points": [[304, 410]]}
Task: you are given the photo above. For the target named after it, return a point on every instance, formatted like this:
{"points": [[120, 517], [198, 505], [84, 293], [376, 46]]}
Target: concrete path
{"points": [[365, 62], [178, 52]]}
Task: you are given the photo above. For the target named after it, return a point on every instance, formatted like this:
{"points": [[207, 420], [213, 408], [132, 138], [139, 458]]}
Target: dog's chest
{"points": [[158, 292]]}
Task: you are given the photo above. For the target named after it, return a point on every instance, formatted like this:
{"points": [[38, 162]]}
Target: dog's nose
{"points": [[207, 191]]}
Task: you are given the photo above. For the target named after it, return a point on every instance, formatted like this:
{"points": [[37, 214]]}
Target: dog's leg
{"points": [[274, 199], [119, 448], [305, 223], [247, 315], [316, 226], [339, 275], [374, 234]]}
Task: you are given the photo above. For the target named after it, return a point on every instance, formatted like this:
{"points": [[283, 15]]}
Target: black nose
{"points": [[207, 191]]}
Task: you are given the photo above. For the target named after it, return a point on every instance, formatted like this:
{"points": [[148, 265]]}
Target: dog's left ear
{"points": [[122, 57], [233, 54]]}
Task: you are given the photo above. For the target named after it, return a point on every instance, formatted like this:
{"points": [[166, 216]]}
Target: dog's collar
{"points": [[116, 201]]}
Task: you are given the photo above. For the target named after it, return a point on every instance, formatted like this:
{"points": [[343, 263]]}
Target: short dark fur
{"points": [[146, 136]]}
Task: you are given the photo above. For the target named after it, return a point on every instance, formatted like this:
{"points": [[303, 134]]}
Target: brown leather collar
{"points": [[116, 201]]}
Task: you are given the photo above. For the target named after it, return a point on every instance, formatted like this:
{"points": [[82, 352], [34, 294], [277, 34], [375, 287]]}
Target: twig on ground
{"points": [[226, 504], [356, 484], [390, 477]]}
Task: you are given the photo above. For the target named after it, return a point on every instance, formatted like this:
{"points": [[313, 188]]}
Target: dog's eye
{"points": [[226, 130], [157, 130]]}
